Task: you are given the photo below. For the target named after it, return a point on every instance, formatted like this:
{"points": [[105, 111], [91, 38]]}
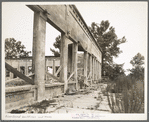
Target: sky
{"points": [[128, 18]]}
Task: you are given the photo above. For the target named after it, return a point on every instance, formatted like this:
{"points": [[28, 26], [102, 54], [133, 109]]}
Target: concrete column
{"points": [[85, 66], [64, 61], [91, 68], [88, 65], [70, 53], [45, 68], [98, 70], [95, 70], [74, 63], [54, 69], [38, 63], [100, 73]]}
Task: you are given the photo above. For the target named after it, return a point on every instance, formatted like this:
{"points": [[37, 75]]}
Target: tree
{"points": [[109, 43], [14, 49], [115, 70], [138, 70], [138, 60], [57, 44]]}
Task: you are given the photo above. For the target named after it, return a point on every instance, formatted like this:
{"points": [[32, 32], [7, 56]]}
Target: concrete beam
{"points": [[68, 20]]}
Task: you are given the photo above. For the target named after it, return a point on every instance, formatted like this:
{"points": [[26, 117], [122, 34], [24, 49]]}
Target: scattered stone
{"points": [[17, 111]]}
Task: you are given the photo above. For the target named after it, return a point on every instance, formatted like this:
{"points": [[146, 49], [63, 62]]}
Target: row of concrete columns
{"points": [[94, 67], [38, 63]]}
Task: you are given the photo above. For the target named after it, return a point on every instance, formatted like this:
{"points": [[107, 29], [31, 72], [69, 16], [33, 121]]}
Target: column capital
{"points": [[94, 56], [43, 15]]}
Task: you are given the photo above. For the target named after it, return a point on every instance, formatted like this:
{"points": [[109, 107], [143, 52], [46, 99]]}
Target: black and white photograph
{"points": [[74, 60]]}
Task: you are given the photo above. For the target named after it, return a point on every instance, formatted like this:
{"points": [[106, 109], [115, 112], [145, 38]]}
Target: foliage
{"points": [[56, 53], [114, 70], [57, 44], [138, 70], [14, 49], [127, 98], [109, 42], [137, 60]]}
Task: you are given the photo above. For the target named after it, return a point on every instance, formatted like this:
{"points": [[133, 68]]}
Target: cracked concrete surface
{"points": [[90, 100]]}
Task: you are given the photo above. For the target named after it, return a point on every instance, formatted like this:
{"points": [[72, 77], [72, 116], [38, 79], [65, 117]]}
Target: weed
{"points": [[126, 97]]}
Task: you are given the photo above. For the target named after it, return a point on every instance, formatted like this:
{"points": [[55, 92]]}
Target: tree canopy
{"points": [[109, 42], [15, 49], [57, 44], [138, 70], [138, 60]]}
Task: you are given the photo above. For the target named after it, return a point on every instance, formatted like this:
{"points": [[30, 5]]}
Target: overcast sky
{"points": [[128, 18]]}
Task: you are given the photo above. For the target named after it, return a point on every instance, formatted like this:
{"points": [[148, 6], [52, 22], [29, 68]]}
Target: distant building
{"points": [[24, 65]]}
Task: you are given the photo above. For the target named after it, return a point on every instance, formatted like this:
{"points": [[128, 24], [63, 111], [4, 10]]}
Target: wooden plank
{"points": [[59, 69], [17, 73], [88, 75], [86, 83], [51, 75], [70, 76], [14, 79]]}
